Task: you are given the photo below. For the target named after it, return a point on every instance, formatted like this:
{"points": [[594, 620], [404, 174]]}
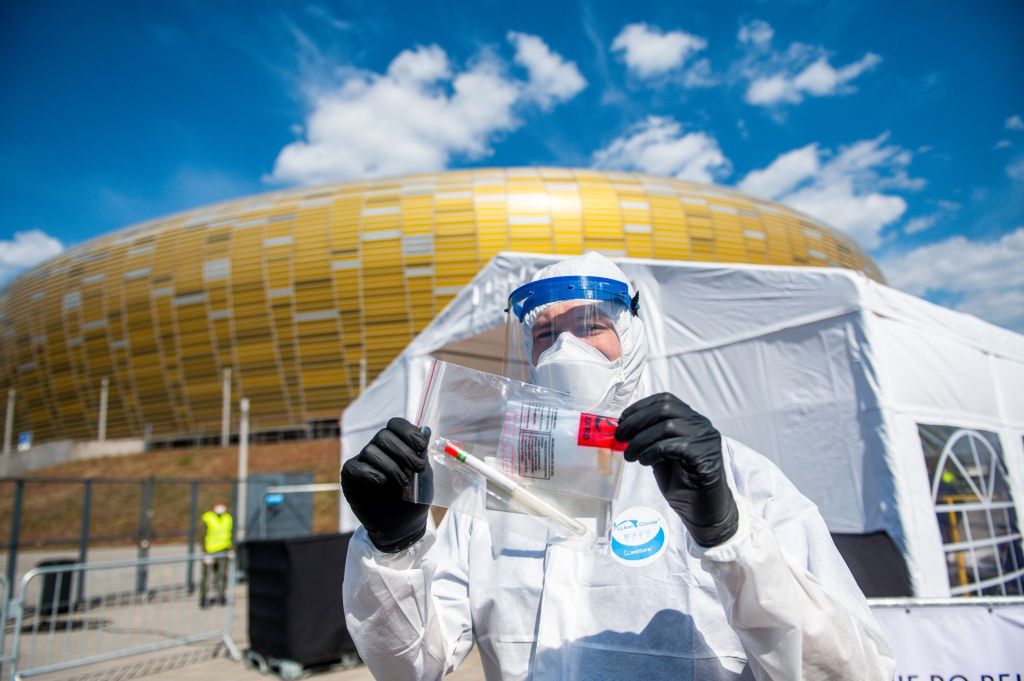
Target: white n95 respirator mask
{"points": [[572, 366]]}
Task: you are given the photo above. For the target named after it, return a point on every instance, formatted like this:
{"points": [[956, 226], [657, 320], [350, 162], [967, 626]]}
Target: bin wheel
{"points": [[290, 670], [253, 660], [349, 660]]}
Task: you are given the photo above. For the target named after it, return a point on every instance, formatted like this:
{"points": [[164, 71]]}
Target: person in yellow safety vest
{"points": [[216, 545]]}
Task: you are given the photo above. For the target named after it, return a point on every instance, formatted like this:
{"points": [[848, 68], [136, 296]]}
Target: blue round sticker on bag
{"points": [[638, 536]]}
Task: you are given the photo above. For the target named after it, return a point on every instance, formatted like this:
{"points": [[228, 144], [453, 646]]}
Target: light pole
{"points": [[104, 395], [9, 423], [225, 417], [243, 465]]}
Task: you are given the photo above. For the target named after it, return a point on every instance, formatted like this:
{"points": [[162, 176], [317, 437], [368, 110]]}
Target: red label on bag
{"points": [[598, 431]]}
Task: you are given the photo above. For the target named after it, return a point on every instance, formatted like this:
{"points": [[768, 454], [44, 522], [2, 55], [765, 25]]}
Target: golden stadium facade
{"points": [[296, 290]]}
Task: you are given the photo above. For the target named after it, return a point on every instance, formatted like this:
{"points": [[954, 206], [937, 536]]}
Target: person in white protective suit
{"points": [[739, 579]]}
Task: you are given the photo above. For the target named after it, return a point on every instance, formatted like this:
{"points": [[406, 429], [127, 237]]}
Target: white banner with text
{"points": [[952, 642]]}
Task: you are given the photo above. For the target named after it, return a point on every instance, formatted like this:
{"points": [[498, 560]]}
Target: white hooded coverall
{"points": [[775, 601]]}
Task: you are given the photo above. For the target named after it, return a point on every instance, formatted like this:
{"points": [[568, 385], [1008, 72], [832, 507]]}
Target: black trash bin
{"points": [[295, 611], [55, 598]]}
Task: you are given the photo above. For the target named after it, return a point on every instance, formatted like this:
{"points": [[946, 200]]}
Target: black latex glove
{"points": [[373, 481], [685, 451]]}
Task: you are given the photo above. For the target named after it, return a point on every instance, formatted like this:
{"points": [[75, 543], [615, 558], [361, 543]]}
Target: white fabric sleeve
{"points": [[408, 612], [792, 626]]}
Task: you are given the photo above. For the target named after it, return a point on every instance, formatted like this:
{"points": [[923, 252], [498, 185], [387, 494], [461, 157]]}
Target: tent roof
{"points": [[705, 305], [734, 299]]}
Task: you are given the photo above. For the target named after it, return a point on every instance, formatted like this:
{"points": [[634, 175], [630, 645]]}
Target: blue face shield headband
{"points": [[557, 289]]}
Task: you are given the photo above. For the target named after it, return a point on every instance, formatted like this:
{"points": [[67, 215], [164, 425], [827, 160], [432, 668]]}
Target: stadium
{"points": [[306, 295]]}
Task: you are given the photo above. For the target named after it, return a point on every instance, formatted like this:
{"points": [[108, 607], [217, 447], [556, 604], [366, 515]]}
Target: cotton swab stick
{"points": [[516, 493]]}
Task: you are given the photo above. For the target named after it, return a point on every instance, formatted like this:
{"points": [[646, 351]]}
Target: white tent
{"points": [[889, 412]]}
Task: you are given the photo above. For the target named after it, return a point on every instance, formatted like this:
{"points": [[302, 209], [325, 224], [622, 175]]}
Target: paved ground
{"points": [[222, 669], [204, 664], [116, 619], [206, 661]]}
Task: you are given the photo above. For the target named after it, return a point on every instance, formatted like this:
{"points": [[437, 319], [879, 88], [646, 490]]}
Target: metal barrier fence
{"points": [[46, 518], [79, 614], [61, 514], [4, 598], [988, 602]]}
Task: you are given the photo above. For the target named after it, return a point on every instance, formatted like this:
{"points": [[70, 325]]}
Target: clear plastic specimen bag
{"points": [[519, 454]]}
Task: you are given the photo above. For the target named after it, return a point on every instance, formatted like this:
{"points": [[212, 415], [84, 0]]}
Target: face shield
{"points": [[567, 333]]}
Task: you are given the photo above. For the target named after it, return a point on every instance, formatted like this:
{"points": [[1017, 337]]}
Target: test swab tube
{"points": [[516, 493]]}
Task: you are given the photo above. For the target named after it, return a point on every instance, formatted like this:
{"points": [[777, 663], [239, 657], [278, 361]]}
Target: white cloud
{"points": [[1016, 170], [552, 79], [741, 127], [847, 189], [658, 146], [756, 32], [649, 51], [1001, 306], [921, 223], [324, 15], [960, 264], [770, 90], [25, 250], [424, 65], [783, 174], [862, 215], [1002, 144], [699, 75], [421, 112], [1015, 122], [984, 277], [794, 81]]}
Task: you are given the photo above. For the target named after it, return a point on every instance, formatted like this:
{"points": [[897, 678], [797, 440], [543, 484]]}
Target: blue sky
{"points": [[900, 123]]}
